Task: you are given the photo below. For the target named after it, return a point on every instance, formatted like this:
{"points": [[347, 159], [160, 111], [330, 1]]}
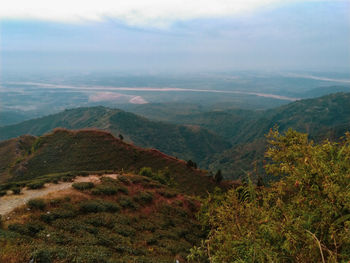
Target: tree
{"points": [[304, 217], [192, 164], [121, 137], [218, 176]]}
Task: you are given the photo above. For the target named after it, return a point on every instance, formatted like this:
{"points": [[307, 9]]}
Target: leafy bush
{"points": [[104, 190], [111, 207], [162, 176], [16, 190], [29, 229], [36, 185], [124, 230], [304, 217], [36, 204], [144, 197], [3, 192], [83, 186], [95, 206], [127, 202], [146, 171], [42, 256], [167, 193], [91, 206], [124, 179], [61, 212]]}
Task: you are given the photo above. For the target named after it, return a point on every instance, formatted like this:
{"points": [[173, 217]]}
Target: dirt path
{"points": [[10, 202]]}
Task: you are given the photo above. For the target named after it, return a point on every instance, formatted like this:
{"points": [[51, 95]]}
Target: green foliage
{"points": [[167, 193], [304, 217], [95, 206], [146, 171], [109, 187], [162, 176], [104, 190], [16, 190], [42, 256], [29, 229], [36, 185], [83, 186], [124, 179], [127, 202], [144, 197], [36, 204]]}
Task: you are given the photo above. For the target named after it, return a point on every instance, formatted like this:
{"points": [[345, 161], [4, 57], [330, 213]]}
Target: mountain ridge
{"points": [[182, 141]]}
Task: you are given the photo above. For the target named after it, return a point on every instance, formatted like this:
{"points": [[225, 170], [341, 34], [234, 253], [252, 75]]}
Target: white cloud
{"points": [[133, 12]]}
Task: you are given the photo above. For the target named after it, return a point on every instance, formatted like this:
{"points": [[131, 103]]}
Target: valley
{"points": [[229, 140]]}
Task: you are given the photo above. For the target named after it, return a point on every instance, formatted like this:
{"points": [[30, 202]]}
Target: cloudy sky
{"points": [[175, 35]]}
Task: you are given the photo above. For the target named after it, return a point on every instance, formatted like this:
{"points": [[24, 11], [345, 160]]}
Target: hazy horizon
{"points": [[151, 37]]}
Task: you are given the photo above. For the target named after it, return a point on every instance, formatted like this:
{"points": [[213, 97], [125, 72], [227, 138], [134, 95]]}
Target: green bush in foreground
{"points": [[305, 217]]}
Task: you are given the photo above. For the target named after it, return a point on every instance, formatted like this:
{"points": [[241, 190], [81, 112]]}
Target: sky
{"points": [[175, 35]]}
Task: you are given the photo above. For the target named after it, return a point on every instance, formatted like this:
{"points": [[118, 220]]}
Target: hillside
{"points": [[89, 150], [185, 142], [13, 150], [206, 137], [324, 117], [315, 116], [12, 117], [130, 218]]}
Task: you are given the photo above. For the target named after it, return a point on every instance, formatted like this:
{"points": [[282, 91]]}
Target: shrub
{"points": [[218, 176], [310, 203], [95, 206], [36, 204], [137, 179], [126, 202], [83, 186], [124, 179], [167, 193], [42, 256], [124, 230], [91, 206], [36, 185], [111, 207], [16, 190], [146, 171], [67, 179], [145, 197], [123, 190], [3, 192], [101, 219], [30, 229], [104, 190], [68, 212]]}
